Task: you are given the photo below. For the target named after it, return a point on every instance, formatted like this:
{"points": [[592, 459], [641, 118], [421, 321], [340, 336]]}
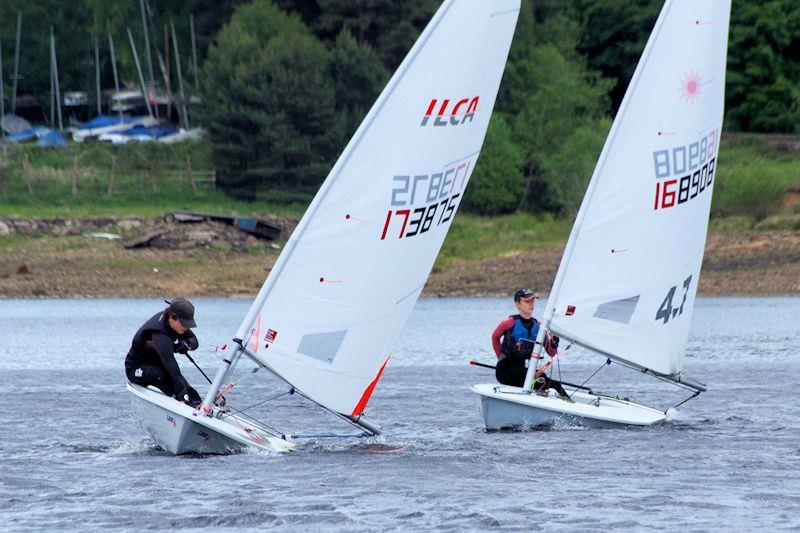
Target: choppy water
{"points": [[74, 457]]}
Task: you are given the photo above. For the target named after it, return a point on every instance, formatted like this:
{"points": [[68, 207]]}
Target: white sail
{"points": [[328, 314], [627, 283]]}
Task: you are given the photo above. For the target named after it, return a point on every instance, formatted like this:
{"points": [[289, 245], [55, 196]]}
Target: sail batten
{"points": [[629, 276], [340, 293]]}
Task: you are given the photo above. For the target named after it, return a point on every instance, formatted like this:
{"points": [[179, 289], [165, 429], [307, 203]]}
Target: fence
{"points": [[111, 178]]}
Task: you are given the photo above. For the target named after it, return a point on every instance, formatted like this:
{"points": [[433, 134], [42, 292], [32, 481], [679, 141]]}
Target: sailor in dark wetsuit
{"points": [[513, 341], [150, 360]]}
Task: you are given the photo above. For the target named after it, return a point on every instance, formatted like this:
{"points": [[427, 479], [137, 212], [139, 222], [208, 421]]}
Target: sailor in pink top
{"points": [[513, 341]]}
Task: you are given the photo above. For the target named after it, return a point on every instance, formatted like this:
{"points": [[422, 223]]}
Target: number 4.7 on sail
{"points": [[666, 310]]}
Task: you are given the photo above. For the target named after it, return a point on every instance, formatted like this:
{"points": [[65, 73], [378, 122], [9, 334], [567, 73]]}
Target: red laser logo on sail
{"points": [[445, 114]]}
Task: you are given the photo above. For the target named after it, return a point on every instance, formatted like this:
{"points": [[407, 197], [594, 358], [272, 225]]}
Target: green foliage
{"points": [[613, 35], [763, 85], [50, 174], [547, 92], [752, 179], [567, 170], [358, 76], [497, 182], [389, 26], [477, 237], [279, 105], [269, 101]]}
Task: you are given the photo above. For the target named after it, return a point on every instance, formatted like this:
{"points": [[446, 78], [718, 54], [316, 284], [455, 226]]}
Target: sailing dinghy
{"points": [[340, 292], [626, 285]]}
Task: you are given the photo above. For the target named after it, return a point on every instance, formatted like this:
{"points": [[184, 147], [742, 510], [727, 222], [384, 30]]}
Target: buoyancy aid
{"points": [[518, 341]]}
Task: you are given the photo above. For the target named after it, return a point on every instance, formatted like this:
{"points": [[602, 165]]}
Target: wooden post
{"points": [[152, 172], [111, 176], [75, 175], [189, 170], [3, 176], [26, 170]]}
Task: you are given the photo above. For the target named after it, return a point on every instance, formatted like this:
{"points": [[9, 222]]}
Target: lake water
{"points": [[75, 458]]}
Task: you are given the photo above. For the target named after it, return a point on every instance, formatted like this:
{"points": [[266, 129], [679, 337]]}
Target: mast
{"points": [[55, 77], [139, 73], [97, 74], [180, 76], [152, 85], [553, 297], [2, 95], [16, 65], [194, 52], [161, 65], [114, 70], [52, 94]]}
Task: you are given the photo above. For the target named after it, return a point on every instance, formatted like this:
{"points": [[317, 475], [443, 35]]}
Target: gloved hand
{"points": [[183, 347], [554, 341]]}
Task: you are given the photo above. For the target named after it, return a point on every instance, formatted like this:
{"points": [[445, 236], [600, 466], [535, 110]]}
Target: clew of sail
{"points": [[348, 278], [627, 283]]}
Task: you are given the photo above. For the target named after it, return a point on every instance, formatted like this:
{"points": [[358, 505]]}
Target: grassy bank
{"points": [[753, 188], [98, 179]]}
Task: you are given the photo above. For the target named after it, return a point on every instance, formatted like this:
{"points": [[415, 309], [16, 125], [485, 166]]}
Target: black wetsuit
{"points": [[151, 359]]}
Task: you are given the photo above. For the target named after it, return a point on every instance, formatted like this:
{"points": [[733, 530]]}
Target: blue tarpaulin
{"points": [[51, 139]]}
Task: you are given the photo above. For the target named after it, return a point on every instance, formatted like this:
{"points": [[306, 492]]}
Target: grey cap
{"points": [[184, 310]]}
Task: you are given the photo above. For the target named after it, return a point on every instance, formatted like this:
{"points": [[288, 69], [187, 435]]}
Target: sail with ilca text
{"points": [[339, 295]]}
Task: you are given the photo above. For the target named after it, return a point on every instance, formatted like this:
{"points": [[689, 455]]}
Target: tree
{"points": [[566, 170], [389, 26], [358, 77], [497, 181], [270, 102], [548, 91], [763, 85], [613, 36]]}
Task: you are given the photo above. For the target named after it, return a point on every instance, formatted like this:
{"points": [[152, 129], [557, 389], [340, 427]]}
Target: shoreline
{"points": [[765, 263]]}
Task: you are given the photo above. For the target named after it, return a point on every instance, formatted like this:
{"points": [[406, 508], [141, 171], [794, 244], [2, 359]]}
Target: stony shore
{"points": [[62, 258]]}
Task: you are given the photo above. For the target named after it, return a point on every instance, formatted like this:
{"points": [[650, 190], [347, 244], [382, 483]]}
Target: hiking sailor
{"points": [[513, 341], [151, 359]]}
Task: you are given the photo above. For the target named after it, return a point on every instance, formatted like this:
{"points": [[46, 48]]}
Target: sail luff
{"points": [[576, 227], [255, 308]]}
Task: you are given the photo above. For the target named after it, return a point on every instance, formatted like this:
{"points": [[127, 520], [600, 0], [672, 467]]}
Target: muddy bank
{"points": [[209, 259], [750, 264]]}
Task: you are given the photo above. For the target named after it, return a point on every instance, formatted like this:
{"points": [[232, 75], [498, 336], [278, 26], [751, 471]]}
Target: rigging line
{"points": [[290, 391], [695, 394], [558, 367], [332, 436], [263, 427], [347, 419], [340, 415], [607, 362], [645, 372]]}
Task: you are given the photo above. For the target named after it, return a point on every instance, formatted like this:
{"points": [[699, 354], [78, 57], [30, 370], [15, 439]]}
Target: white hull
{"points": [[178, 428], [505, 407]]}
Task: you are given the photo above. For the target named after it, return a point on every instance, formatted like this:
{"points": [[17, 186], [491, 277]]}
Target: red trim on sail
{"points": [[362, 403]]}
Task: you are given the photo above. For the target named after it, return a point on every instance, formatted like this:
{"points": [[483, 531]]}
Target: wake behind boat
{"points": [[626, 285], [363, 251]]}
